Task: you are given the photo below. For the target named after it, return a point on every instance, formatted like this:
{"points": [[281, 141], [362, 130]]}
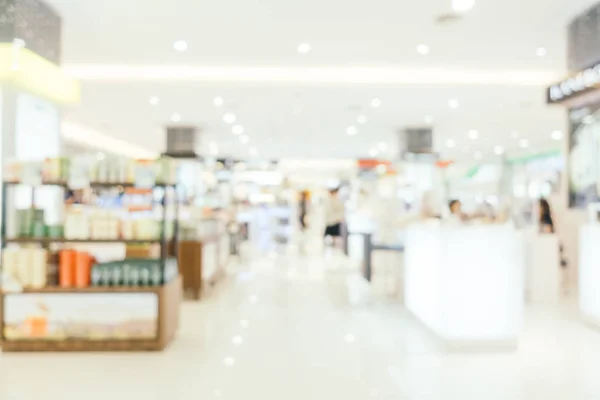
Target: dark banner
{"points": [[34, 22], [584, 40]]}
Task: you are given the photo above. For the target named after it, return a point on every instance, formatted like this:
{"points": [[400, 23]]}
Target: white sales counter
{"points": [[589, 273], [466, 283]]}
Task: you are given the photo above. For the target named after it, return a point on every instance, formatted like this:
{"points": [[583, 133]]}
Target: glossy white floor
{"points": [[277, 330]]}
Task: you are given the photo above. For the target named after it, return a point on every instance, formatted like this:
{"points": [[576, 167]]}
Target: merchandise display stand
{"points": [[203, 259], [95, 315]]}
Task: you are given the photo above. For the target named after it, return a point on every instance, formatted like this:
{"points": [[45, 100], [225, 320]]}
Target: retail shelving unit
{"points": [[93, 318]]}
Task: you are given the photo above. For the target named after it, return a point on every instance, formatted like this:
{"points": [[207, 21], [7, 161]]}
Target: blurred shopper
{"points": [[303, 209], [456, 213], [546, 226], [546, 223], [334, 216]]}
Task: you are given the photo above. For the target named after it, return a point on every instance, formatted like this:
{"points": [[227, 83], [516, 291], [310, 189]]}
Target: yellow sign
{"points": [[32, 73]]}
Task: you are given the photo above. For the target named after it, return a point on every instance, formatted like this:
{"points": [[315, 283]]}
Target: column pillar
{"points": [[30, 118]]}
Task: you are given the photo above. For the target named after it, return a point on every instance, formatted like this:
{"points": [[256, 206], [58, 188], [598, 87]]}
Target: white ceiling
{"points": [[303, 104]]}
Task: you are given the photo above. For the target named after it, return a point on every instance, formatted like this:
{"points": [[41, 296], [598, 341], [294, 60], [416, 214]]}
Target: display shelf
{"points": [[48, 240], [168, 298], [98, 185], [91, 318]]}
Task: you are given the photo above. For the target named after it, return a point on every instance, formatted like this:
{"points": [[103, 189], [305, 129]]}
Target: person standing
{"points": [[334, 216]]}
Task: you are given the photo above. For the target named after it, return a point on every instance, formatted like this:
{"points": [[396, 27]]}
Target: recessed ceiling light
{"points": [[175, 117], [154, 100], [450, 143], [180, 45], [478, 155], [351, 130], [218, 101], [229, 361], [237, 340], [461, 6], [244, 139], [375, 103], [499, 150], [361, 119], [382, 146], [244, 323], [557, 135], [373, 152], [304, 48], [524, 143], [429, 119], [541, 52], [473, 134], [237, 129], [349, 338], [515, 134], [453, 103], [423, 49], [229, 118]]}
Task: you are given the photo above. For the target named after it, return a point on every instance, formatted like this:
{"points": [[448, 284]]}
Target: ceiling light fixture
{"points": [[304, 48], [473, 134], [351, 130], [499, 150], [218, 101], [229, 118], [180, 45], [237, 340], [453, 103], [154, 101], [450, 143], [461, 6], [557, 135], [244, 139], [175, 117], [523, 143], [229, 361], [375, 103], [541, 52], [429, 119], [362, 119], [423, 49], [237, 129]]}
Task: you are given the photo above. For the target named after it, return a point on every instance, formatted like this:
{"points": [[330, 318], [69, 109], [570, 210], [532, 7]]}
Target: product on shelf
{"points": [[133, 272], [27, 266], [74, 268], [108, 170]]}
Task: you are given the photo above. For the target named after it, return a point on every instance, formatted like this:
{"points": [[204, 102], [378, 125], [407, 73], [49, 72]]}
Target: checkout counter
{"points": [[466, 283]]}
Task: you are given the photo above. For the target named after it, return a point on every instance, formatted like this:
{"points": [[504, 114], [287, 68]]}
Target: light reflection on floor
{"points": [[279, 329]]}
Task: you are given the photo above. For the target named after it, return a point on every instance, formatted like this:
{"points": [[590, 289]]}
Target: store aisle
{"points": [[276, 330]]}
